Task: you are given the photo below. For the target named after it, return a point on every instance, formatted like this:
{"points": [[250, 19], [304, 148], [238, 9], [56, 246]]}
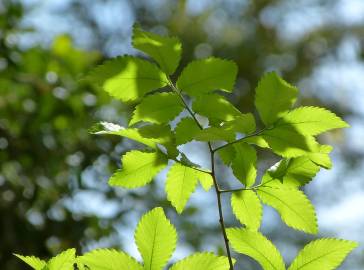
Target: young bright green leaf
{"points": [[206, 75], [130, 133], [181, 183], [312, 120], [244, 163], [185, 130], [205, 179], [293, 206], [244, 123], [159, 108], [202, 261], [258, 141], [247, 208], [33, 262], [128, 78], [138, 169], [151, 135], [287, 142], [321, 156], [108, 259], [274, 97], [166, 51], [161, 135], [63, 261], [215, 134], [227, 154], [156, 239], [256, 246], [215, 106], [294, 172], [323, 254]]}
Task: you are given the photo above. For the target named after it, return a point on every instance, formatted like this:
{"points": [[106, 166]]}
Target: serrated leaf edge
{"points": [[312, 210]]}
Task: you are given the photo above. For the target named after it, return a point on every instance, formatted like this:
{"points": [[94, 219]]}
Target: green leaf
{"points": [[166, 51], [294, 172], [138, 169], [185, 130], [161, 135], [312, 120], [156, 239], [202, 261], [323, 254], [215, 134], [274, 97], [321, 157], [63, 261], [245, 123], [293, 206], [256, 246], [32, 261], [151, 135], [206, 75], [244, 163], [130, 133], [215, 106], [205, 179], [247, 208], [258, 141], [109, 259], [159, 108], [227, 154], [181, 183], [287, 142], [128, 78]]}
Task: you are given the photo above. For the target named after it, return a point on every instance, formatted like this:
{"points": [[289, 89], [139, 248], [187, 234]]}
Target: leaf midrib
{"points": [[286, 206], [317, 258]]}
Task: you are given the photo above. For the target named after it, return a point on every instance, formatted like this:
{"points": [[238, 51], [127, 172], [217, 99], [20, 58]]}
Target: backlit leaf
{"points": [[159, 108], [202, 261], [312, 120], [109, 259], [256, 246], [274, 97], [138, 169], [215, 134], [294, 172], [206, 75], [181, 183], [166, 51], [293, 206], [128, 78], [244, 163], [156, 239], [63, 261], [215, 106], [247, 208], [244, 123], [185, 130], [287, 142], [323, 254], [32, 261]]}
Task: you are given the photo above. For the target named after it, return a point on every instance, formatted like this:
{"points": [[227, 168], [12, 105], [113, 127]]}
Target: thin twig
{"points": [[216, 185], [221, 216], [240, 140], [234, 190]]}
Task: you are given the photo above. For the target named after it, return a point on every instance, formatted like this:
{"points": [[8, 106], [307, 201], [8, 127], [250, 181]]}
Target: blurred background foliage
{"points": [[53, 174]]}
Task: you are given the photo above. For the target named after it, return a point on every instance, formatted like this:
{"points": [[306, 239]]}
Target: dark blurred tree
{"points": [[44, 144]]}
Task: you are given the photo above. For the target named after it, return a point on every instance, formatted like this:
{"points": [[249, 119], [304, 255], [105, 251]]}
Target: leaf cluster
{"points": [[200, 91], [156, 239]]}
